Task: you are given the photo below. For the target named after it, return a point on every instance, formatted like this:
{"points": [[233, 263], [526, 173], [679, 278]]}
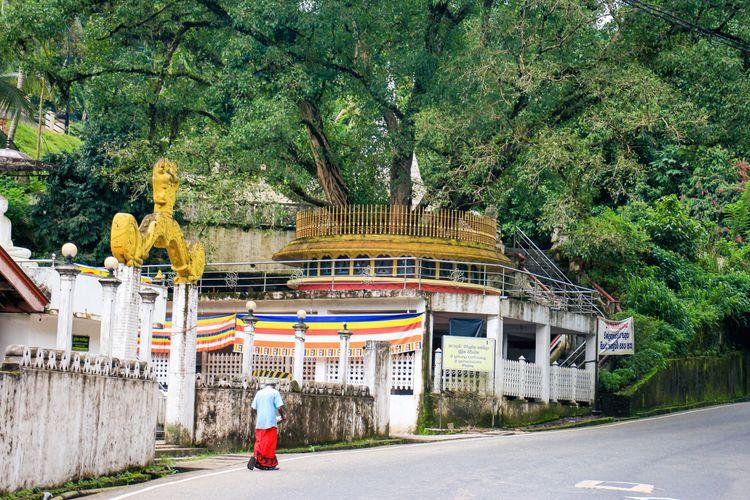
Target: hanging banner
{"points": [[468, 353], [274, 333], [616, 338]]}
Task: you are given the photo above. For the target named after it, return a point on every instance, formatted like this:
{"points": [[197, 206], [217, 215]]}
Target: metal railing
{"points": [[396, 220], [256, 278], [542, 261]]}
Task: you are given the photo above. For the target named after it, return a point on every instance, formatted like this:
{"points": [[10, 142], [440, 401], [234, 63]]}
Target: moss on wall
{"points": [[683, 382], [472, 410]]}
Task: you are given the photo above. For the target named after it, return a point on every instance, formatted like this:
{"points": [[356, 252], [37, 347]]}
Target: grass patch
{"points": [[52, 142], [122, 479]]}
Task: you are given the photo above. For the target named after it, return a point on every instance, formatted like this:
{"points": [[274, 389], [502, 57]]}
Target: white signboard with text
{"points": [[468, 353], [616, 338]]}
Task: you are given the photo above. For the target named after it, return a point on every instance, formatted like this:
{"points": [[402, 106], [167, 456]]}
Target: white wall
{"points": [[58, 426], [40, 330]]}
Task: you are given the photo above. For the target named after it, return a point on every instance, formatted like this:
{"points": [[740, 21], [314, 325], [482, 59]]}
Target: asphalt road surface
{"points": [[700, 454]]}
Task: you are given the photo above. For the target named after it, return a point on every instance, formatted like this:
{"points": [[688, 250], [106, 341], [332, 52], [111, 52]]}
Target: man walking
{"points": [[266, 403]]}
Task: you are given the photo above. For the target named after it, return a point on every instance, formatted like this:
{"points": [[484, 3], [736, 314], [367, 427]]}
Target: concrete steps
{"points": [[168, 450]]}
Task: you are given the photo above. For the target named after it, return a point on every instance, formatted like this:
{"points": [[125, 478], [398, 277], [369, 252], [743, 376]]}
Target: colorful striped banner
{"points": [[214, 332], [274, 333]]}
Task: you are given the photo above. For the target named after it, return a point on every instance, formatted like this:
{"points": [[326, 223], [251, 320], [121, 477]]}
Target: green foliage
{"points": [[81, 198]]}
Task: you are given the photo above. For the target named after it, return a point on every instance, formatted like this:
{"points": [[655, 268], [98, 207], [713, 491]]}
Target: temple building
{"points": [[410, 277]]}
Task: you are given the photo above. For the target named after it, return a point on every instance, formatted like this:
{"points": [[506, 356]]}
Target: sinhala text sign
{"points": [[616, 337], [468, 353]]}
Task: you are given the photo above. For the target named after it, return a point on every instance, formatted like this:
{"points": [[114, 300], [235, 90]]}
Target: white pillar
{"points": [[378, 380], [248, 346], [555, 384], [591, 353], [181, 394], [109, 289], [344, 336], [148, 298], [298, 365], [68, 275], [541, 357], [321, 369], [437, 380], [495, 331], [127, 305]]}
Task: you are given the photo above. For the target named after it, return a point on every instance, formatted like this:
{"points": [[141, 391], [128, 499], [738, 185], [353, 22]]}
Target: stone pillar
{"points": [[181, 394], [148, 298], [495, 331], [437, 381], [109, 290], [298, 365], [541, 357], [591, 353], [378, 380], [127, 305], [248, 345], [68, 275], [344, 336]]}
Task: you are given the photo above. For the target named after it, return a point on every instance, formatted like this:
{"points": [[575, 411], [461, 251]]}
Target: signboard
{"points": [[238, 348], [468, 353], [616, 338], [80, 343]]}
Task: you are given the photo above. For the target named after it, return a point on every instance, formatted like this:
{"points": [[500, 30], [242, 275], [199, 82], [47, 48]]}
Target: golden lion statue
{"points": [[131, 243]]}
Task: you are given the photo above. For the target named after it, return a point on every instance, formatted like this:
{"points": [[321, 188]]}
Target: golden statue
{"points": [[131, 244]]}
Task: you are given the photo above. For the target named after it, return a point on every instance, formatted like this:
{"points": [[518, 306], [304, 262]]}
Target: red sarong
{"points": [[265, 448]]}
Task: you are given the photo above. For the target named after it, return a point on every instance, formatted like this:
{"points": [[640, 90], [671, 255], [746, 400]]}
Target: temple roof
{"points": [[18, 293]]}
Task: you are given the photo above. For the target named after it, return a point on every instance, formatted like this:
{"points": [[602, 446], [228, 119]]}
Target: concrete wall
{"points": [[685, 382], [233, 244], [224, 420], [476, 410], [60, 425]]}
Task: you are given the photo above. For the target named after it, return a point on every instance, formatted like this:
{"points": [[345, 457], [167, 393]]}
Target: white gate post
{"points": [[344, 336], [522, 376], [68, 273], [298, 365], [437, 376], [127, 304], [575, 382], [495, 331], [554, 391], [248, 343], [180, 418], [541, 357], [148, 298], [109, 289]]}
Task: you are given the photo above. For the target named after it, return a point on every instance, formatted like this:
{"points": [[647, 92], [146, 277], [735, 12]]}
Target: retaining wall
{"points": [[316, 413], [684, 382], [476, 410], [66, 418]]}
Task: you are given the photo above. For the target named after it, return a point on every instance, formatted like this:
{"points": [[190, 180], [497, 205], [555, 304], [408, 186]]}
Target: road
{"points": [[701, 454]]}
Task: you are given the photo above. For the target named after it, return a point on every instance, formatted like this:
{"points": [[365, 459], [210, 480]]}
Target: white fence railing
{"points": [[522, 380]]}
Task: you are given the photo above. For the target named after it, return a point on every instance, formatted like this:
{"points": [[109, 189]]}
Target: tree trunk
{"points": [[17, 114], [327, 168], [403, 135]]}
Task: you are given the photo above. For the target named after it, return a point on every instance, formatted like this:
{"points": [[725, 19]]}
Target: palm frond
{"points": [[13, 99]]}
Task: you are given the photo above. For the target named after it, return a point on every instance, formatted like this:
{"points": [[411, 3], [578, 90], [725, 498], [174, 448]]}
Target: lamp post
{"points": [[344, 336], [109, 289], [248, 344], [300, 328], [148, 298], [68, 273]]}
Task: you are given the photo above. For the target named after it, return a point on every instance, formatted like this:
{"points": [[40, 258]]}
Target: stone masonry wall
{"points": [[684, 382], [64, 418], [317, 413]]}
